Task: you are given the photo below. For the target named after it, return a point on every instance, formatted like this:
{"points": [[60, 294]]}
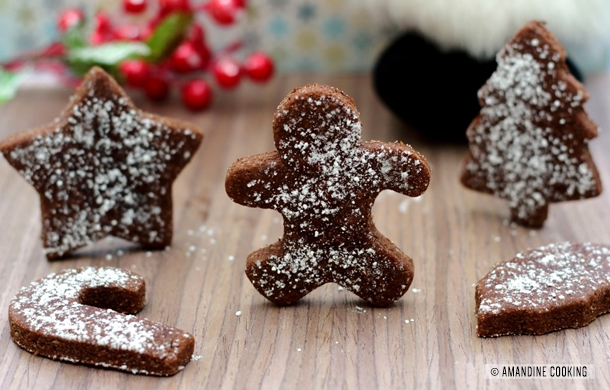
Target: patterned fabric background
{"points": [[302, 35], [310, 35]]}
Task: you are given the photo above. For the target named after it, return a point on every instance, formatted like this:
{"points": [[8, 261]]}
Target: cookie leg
{"points": [[280, 278], [528, 217], [381, 277]]}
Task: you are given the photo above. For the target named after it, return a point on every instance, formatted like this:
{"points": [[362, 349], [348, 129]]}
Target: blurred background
{"points": [[415, 51], [302, 35]]}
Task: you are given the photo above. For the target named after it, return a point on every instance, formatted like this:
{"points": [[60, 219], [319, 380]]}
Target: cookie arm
{"points": [[252, 181], [398, 167]]}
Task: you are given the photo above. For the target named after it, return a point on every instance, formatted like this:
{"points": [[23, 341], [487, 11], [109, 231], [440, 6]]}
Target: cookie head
{"points": [[314, 125]]}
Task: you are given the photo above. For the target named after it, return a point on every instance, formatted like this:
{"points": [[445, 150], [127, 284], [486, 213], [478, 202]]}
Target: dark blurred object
{"points": [[432, 90]]}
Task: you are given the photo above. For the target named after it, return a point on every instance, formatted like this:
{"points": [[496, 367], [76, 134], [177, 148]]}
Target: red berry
{"points": [[127, 32], [196, 94], [55, 50], [222, 11], [259, 67], [148, 30], [102, 31], [69, 18], [205, 54], [227, 73], [102, 22], [135, 72], [240, 3], [97, 38], [169, 6], [186, 58], [197, 35], [134, 6], [156, 88]]}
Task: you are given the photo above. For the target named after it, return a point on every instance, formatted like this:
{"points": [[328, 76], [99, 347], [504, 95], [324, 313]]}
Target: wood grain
{"points": [[331, 339]]}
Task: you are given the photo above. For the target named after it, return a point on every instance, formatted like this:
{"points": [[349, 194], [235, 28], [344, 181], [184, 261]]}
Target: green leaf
{"points": [[9, 83], [168, 35], [75, 37], [107, 56]]}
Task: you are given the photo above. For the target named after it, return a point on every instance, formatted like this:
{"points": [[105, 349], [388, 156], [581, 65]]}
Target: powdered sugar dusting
{"points": [[339, 168], [51, 308], [526, 144], [547, 277], [105, 168], [324, 182]]}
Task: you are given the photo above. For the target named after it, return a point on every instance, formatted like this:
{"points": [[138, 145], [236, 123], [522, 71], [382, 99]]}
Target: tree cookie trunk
{"points": [[533, 217]]}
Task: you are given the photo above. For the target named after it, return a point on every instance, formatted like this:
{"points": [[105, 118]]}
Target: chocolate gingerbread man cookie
{"points": [[103, 167], [545, 289], [529, 143], [324, 180]]}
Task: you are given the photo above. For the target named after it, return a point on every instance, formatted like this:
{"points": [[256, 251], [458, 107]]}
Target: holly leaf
{"points": [[168, 35], [9, 83], [107, 56], [75, 37]]}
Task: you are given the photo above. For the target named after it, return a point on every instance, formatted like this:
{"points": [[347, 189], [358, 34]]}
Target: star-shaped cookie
{"points": [[103, 168]]}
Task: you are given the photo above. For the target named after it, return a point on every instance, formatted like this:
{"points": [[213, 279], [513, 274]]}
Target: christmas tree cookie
{"points": [[529, 143]]}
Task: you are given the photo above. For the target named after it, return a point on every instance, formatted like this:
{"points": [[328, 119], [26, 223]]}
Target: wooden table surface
{"points": [[331, 339]]}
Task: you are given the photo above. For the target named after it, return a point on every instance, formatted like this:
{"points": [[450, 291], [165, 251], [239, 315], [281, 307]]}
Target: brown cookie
{"points": [[103, 167], [529, 143], [72, 316], [324, 180], [545, 289]]}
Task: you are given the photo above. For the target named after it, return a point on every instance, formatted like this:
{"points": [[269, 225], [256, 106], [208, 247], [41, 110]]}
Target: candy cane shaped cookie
{"points": [[77, 316]]}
